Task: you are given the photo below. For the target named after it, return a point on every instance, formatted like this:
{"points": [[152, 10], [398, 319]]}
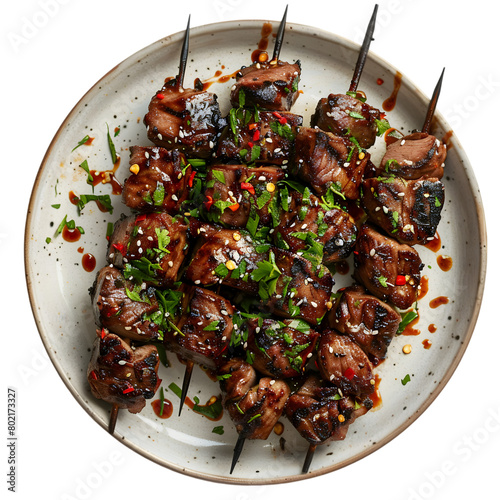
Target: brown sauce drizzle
{"points": [[424, 287], [168, 408], [427, 343], [410, 330], [375, 396], [190, 404], [342, 267], [89, 141], [447, 139], [71, 235], [108, 177], [267, 29], [438, 301], [445, 263], [434, 244], [88, 262], [390, 103], [432, 328]]}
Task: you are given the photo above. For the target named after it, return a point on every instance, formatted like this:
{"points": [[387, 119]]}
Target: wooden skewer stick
{"points": [[185, 383], [432, 105], [112, 419], [279, 37], [237, 452], [363, 53], [309, 457], [184, 56]]}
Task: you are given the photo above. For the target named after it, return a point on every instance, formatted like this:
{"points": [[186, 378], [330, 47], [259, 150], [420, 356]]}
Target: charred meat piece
{"points": [[121, 375], [205, 327], [235, 192], [388, 269], [257, 412], [370, 322], [320, 413], [236, 378], [328, 161], [343, 114], [123, 307], [258, 136], [280, 349], [414, 156], [271, 86], [309, 221], [288, 285], [409, 211], [159, 180], [342, 362], [152, 246], [187, 120]]}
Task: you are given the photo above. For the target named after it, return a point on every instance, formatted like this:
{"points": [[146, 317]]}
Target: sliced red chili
{"points": [[209, 202], [249, 187], [128, 389], [93, 375], [256, 136], [234, 207], [103, 333], [160, 96], [400, 280], [121, 248], [140, 218], [191, 179], [349, 373]]}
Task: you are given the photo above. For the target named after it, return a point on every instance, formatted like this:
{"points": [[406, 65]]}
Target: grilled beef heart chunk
{"points": [[280, 349], [414, 156], [206, 326], [271, 86], [159, 180], [122, 307], [388, 269], [157, 237], [342, 362], [233, 191], [371, 323], [260, 136], [236, 378], [187, 120], [306, 219], [408, 210], [343, 114], [320, 413], [121, 375], [325, 160]]}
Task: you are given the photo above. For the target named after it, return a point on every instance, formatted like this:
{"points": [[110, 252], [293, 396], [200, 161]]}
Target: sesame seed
{"points": [[174, 197], [197, 282], [159, 136], [372, 252]]}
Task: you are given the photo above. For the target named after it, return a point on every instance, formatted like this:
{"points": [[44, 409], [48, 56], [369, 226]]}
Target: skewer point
{"points": [[237, 452], [309, 457], [112, 419], [279, 36], [185, 383], [184, 55], [431, 109]]}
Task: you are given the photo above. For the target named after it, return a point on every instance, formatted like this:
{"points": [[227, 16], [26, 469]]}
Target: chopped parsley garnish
{"points": [[383, 281], [218, 429], [266, 274], [104, 200], [90, 180], [406, 379], [406, 320]]}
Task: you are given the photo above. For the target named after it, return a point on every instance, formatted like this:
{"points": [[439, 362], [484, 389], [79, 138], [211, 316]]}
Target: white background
{"points": [[451, 451]]}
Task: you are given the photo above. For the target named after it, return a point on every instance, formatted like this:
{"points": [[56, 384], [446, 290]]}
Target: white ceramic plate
{"points": [[58, 285]]}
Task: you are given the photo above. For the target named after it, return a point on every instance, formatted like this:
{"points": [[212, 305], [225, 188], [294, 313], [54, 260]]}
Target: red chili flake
{"points": [[103, 333], [382, 115], [256, 136], [380, 81], [209, 202], [250, 144], [160, 96], [234, 207], [355, 252], [349, 373], [141, 217], [248, 187], [128, 389], [252, 126], [191, 179], [277, 115], [283, 120], [400, 280], [121, 248], [93, 375]]}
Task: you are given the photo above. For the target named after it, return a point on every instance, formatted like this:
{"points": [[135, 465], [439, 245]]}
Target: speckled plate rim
{"points": [[329, 38]]}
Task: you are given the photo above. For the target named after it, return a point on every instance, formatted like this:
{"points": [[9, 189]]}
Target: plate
{"points": [[58, 281]]}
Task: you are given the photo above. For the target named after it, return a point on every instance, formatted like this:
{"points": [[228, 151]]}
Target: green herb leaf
{"points": [[219, 175], [81, 143], [114, 156], [405, 380], [212, 327], [383, 281], [219, 429], [406, 320]]}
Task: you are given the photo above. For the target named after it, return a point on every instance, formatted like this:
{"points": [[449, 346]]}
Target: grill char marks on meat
{"points": [[161, 181], [279, 349], [409, 211], [260, 136], [188, 120], [237, 377], [314, 410], [324, 160], [334, 229], [240, 193], [121, 375], [343, 114], [368, 321], [381, 262], [206, 325], [300, 289], [115, 310], [155, 236], [270, 86], [344, 364], [414, 156]]}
